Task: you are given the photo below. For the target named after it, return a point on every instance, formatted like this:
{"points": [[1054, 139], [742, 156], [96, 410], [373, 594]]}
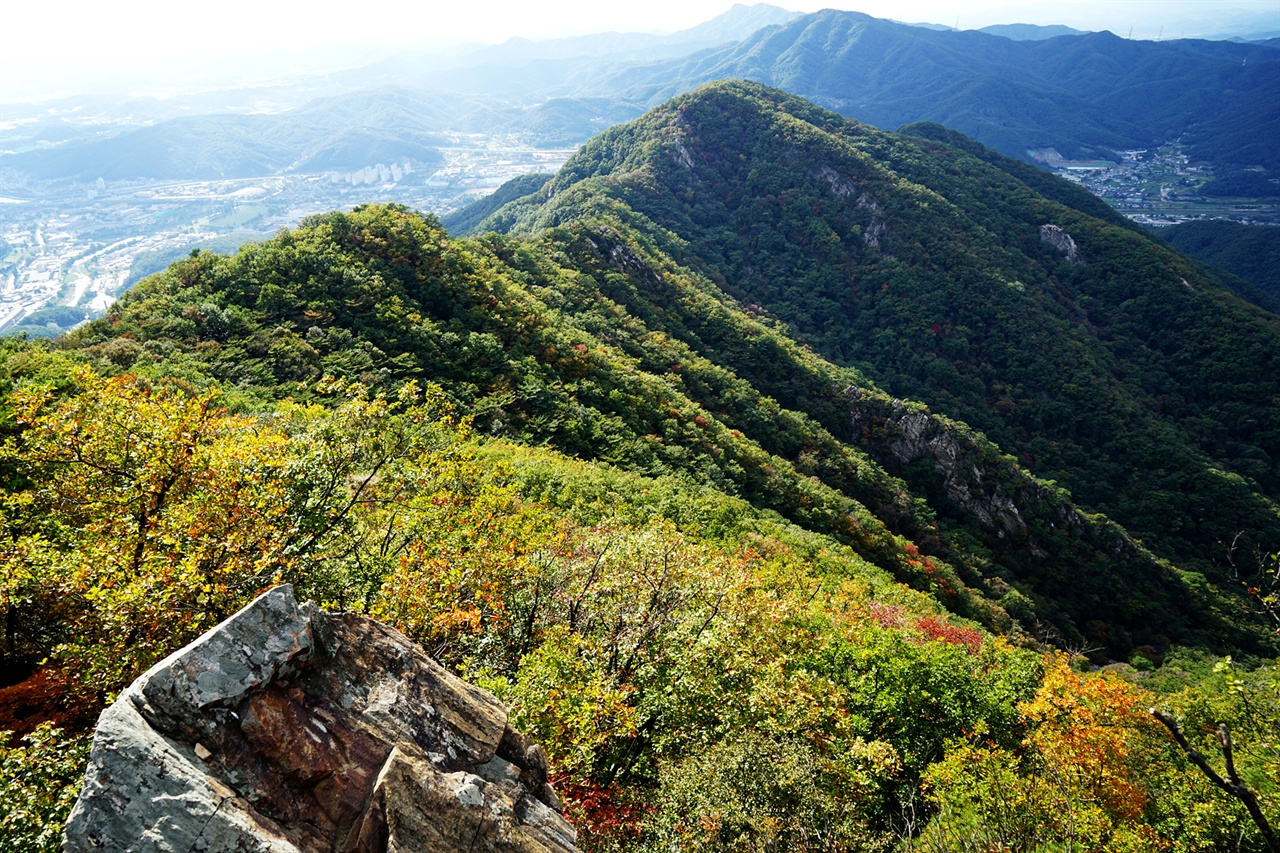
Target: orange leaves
{"points": [[438, 594], [1079, 780], [152, 513], [1085, 727]]}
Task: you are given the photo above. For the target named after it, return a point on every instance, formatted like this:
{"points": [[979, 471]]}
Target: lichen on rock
{"points": [[290, 730]]}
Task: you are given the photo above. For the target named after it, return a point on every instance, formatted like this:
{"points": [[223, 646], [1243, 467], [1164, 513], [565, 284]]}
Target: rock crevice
{"points": [[290, 730]]}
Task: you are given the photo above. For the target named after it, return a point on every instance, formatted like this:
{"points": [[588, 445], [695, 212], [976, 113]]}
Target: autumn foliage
{"points": [[759, 689]]}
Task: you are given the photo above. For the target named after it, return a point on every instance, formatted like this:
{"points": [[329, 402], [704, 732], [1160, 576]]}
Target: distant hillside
{"points": [[1251, 252], [338, 133], [1029, 32], [1085, 95], [731, 26], [1242, 185], [528, 71], [464, 220], [570, 121], [737, 23]]}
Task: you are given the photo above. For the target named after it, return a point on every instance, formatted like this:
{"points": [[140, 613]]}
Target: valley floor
{"points": [[81, 245]]}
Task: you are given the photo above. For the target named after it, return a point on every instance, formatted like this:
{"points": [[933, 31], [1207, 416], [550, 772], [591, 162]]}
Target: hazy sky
{"points": [[68, 45]]}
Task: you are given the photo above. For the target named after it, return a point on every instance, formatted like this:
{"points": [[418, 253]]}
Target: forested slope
{"points": [[608, 350], [1251, 252], [1095, 356], [723, 468]]}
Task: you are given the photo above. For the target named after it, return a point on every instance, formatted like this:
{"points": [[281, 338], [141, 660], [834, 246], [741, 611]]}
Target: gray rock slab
{"points": [[289, 730]]}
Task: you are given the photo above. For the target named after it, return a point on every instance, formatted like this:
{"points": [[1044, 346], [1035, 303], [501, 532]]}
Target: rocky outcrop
{"points": [[876, 230], [290, 730], [981, 485], [1060, 557], [919, 435], [1059, 239], [840, 187]]}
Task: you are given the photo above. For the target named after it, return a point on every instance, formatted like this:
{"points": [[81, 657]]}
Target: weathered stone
{"points": [[271, 639], [1055, 236], [289, 729]]}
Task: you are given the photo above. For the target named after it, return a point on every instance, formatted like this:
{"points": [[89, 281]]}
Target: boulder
{"points": [[290, 730]]}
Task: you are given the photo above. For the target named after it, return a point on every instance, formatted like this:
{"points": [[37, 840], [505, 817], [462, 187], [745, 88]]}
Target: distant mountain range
{"points": [[324, 135], [734, 25], [1086, 95], [1030, 32], [1012, 87]]}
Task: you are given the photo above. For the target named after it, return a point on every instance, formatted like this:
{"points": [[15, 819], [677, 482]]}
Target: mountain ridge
{"points": [[650, 219], [618, 165]]}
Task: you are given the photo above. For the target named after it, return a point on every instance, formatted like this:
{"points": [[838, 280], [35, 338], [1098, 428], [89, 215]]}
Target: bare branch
{"points": [[1232, 784], [1224, 741]]}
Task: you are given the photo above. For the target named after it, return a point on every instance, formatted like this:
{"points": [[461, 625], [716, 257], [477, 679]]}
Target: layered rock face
{"points": [[289, 730]]}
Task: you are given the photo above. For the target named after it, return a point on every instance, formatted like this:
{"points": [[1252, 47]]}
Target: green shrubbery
{"points": [[40, 777], [586, 469]]}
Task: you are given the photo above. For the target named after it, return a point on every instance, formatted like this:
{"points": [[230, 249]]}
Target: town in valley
{"points": [[68, 250]]}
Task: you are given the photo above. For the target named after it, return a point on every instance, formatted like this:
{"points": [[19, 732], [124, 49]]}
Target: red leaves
{"points": [[945, 632], [895, 616], [600, 811]]}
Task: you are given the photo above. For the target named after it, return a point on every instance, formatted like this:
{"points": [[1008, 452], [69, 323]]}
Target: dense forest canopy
{"points": [[783, 475], [1249, 252]]}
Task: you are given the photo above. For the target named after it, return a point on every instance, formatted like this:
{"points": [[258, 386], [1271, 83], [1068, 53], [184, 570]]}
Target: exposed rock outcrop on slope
{"points": [[972, 482], [289, 729]]}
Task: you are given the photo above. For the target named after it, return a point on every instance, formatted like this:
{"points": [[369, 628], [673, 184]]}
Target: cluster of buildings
{"points": [[1154, 187], [78, 245]]}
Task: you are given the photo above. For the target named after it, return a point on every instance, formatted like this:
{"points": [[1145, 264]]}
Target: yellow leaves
{"points": [[1085, 726], [1078, 780], [409, 392], [1226, 669], [568, 702], [153, 513], [436, 597]]}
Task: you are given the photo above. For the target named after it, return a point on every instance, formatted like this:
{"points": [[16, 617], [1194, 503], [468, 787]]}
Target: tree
{"points": [[1231, 783], [1077, 782], [151, 513]]}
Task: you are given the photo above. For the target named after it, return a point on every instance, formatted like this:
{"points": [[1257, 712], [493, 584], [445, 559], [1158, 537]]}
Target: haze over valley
{"points": [[99, 189]]}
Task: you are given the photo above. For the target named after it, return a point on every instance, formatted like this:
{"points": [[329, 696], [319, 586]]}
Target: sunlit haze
{"points": [[59, 47]]}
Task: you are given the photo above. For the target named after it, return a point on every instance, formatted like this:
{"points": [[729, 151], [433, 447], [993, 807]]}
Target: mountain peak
{"points": [[909, 256], [737, 23]]}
